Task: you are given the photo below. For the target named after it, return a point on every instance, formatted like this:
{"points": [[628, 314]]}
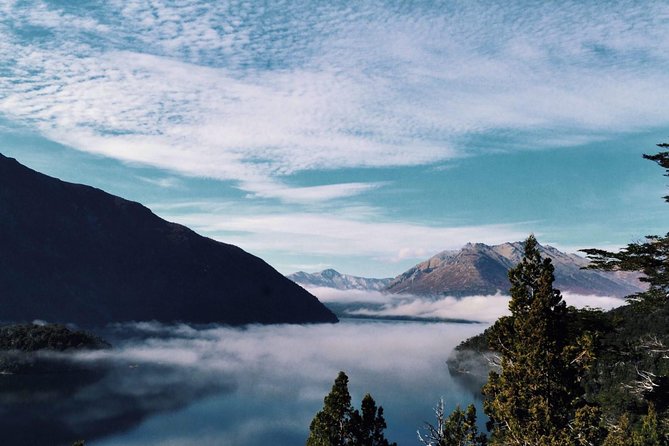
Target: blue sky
{"points": [[364, 136]]}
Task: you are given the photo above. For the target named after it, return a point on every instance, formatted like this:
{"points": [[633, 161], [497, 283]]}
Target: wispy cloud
{"points": [[236, 91], [348, 232], [167, 182], [307, 194]]}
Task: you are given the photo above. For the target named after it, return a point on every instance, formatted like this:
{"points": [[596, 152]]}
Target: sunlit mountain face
{"points": [[358, 136]]}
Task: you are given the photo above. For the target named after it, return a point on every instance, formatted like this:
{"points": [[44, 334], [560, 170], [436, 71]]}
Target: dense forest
{"points": [[556, 375]]}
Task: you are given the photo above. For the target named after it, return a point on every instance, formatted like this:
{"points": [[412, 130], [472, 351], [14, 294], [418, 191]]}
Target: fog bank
{"points": [[475, 308], [263, 384]]}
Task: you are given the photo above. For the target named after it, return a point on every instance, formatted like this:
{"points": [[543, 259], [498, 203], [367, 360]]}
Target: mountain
{"points": [[73, 253], [479, 269], [330, 278]]}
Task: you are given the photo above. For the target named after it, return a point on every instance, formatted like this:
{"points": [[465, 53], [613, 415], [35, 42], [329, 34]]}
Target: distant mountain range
{"points": [[480, 269], [330, 278], [73, 253]]}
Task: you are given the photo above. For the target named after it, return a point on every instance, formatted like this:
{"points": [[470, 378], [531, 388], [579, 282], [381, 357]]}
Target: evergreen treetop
{"points": [[534, 398], [339, 424], [331, 425]]}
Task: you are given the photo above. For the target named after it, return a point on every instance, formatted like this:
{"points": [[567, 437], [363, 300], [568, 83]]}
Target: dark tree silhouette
{"points": [[339, 424]]}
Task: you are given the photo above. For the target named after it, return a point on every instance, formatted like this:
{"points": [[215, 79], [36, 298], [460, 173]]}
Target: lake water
{"points": [[258, 385]]}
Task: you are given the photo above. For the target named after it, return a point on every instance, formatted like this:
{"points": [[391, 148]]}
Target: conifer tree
{"points": [[649, 311], [332, 425], [533, 400], [649, 434], [339, 424], [620, 433], [368, 424]]}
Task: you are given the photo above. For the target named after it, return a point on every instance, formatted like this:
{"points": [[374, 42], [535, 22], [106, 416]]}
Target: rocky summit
{"points": [[329, 278], [73, 253], [479, 269]]}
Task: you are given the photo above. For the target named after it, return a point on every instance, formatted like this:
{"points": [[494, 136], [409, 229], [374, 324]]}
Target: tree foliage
{"points": [[534, 398], [332, 425], [651, 257], [459, 429], [563, 377], [643, 361], [339, 424], [368, 425], [619, 434], [648, 433], [33, 337], [575, 377]]}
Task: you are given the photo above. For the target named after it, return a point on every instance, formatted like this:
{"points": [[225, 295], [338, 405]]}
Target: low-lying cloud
{"points": [[474, 308], [246, 386], [178, 384]]}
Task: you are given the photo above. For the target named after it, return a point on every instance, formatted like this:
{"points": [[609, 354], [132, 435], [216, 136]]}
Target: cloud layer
{"points": [[267, 382], [250, 93], [473, 308]]}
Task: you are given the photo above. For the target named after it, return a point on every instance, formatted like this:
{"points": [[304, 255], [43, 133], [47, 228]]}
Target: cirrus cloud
{"points": [[235, 91]]}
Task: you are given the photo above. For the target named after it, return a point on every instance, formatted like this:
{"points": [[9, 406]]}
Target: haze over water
{"points": [[263, 384]]}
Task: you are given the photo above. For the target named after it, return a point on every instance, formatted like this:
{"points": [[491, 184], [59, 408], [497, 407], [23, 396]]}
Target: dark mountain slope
{"points": [[73, 253]]}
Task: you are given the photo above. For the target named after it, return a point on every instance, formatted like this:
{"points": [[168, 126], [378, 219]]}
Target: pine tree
{"points": [[620, 433], [332, 425], [368, 424], [533, 400], [649, 434], [339, 424], [649, 312]]}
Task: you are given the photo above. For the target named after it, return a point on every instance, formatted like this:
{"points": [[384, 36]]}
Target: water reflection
{"points": [[218, 385], [93, 400]]}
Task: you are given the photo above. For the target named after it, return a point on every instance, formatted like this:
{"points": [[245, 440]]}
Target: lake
{"points": [[258, 385]]}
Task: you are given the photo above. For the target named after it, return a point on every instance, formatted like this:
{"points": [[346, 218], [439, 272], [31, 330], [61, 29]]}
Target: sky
{"points": [[363, 136]]}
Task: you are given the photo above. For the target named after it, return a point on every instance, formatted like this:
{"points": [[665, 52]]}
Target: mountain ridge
{"points": [[74, 253], [480, 269], [330, 278]]}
